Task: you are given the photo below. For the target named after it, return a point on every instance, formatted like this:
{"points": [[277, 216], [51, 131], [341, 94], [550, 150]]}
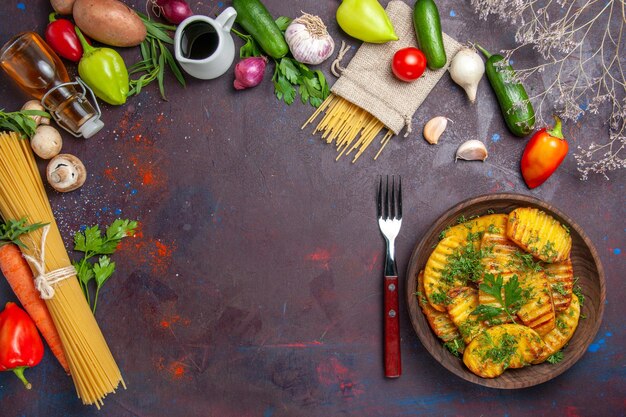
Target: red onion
{"points": [[249, 72], [174, 11]]}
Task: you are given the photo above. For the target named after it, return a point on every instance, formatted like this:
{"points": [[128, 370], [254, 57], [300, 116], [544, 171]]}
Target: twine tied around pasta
{"points": [[44, 281], [408, 122], [336, 69]]}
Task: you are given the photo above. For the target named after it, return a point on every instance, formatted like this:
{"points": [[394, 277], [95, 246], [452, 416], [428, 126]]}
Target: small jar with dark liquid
{"points": [[37, 70]]}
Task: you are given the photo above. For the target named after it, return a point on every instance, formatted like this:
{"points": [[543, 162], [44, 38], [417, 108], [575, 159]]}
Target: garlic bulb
{"points": [[472, 150], [308, 40]]}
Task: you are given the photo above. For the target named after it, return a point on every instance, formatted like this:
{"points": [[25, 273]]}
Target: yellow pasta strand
{"points": [[347, 125], [22, 194]]}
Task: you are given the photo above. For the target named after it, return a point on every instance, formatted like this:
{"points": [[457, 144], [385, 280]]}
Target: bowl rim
{"points": [[413, 269]]}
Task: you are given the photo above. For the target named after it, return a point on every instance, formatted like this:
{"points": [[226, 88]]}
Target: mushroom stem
{"points": [[66, 172]]}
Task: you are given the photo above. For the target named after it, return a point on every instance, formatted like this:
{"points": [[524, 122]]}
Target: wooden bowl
{"points": [[587, 268]]}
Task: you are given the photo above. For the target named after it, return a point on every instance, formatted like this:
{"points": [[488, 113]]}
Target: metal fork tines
{"points": [[390, 219]]}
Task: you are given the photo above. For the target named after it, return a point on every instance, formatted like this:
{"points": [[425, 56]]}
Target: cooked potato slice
{"points": [[501, 347], [439, 321], [449, 263], [437, 282], [502, 257], [566, 324], [561, 279], [499, 259], [463, 301], [539, 234], [538, 310], [492, 222], [499, 254]]}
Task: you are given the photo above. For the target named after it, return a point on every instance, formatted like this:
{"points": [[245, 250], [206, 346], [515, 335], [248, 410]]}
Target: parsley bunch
{"points": [[289, 74], [92, 243], [510, 300]]}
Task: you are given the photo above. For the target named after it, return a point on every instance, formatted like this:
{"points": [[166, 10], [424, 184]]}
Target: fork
{"points": [[389, 210]]}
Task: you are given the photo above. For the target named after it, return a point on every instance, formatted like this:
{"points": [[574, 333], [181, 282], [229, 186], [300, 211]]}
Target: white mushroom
{"points": [[66, 172], [36, 105], [46, 142]]}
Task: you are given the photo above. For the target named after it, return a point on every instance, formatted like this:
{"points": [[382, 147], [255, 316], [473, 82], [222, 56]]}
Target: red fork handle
{"points": [[393, 365]]}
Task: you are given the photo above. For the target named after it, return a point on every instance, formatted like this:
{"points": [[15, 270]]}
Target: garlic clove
{"points": [[66, 172], [472, 150], [434, 128]]}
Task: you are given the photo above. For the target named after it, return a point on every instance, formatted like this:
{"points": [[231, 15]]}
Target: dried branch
{"points": [[583, 44]]}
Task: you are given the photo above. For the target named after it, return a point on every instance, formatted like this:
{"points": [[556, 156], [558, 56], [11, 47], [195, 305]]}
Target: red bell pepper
{"points": [[20, 344], [543, 154], [61, 37]]}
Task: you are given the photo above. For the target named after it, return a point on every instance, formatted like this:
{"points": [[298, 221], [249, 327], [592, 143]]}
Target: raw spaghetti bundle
{"points": [[22, 194], [367, 98]]}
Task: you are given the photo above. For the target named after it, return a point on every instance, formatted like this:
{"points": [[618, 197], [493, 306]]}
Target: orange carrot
{"points": [[20, 277]]}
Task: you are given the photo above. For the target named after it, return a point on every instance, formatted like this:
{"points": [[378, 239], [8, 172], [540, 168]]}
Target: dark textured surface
{"points": [[254, 288]]}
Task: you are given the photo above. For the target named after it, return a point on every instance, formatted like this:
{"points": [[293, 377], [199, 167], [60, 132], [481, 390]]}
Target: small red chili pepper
{"points": [[543, 154], [61, 36], [20, 344]]}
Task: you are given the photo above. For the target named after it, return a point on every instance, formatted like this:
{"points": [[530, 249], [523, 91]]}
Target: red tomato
{"points": [[408, 64]]}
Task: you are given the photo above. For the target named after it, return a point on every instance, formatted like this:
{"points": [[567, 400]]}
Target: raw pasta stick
{"points": [[348, 126], [22, 194]]}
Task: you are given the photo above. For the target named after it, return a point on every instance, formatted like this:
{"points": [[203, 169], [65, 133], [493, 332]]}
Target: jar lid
{"points": [[91, 127]]}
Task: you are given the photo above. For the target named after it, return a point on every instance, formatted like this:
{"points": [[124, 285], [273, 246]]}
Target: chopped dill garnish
{"points": [[548, 251], [556, 357], [439, 297], [493, 229], [455, 346], [528, 263], [463, 264], [503, 352], [579, 292], [558, 287]]}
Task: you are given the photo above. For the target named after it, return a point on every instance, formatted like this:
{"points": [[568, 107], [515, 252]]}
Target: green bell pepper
{"points": [[104, 71], [365, 20]]}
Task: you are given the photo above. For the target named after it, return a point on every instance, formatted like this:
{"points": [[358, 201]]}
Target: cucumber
{"points": [[428, 31], [517, 110], [257, 21]]}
